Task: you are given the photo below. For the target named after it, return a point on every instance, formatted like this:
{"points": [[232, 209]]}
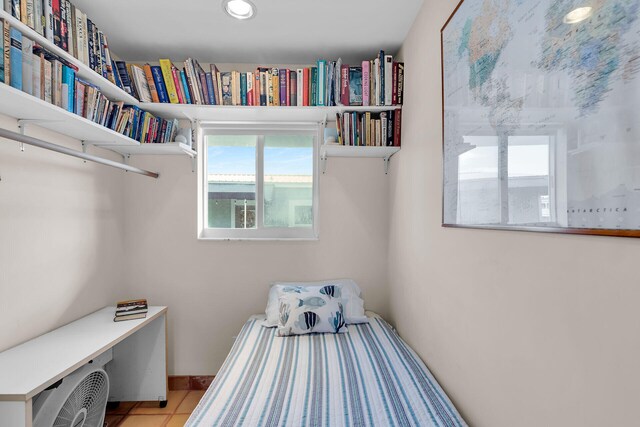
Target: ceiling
{"points": [[282, 32]]}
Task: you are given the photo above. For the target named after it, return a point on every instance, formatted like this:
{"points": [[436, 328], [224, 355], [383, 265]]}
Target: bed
{"points": [[365, 377]]}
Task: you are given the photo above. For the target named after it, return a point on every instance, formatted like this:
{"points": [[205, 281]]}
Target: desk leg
{"points": [[138, 370], [16, 413]]}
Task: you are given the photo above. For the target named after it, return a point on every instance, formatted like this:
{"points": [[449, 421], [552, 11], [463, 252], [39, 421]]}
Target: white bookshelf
{"points": [[22, 106], [166, 149], [336, 150], [85, 72], [227, 113]]}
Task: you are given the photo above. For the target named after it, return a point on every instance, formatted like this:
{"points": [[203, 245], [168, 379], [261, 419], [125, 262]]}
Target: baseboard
{"points": [[190, 382]]}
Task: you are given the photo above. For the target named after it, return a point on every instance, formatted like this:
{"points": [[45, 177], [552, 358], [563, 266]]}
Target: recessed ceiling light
{"points": [[239, 9], [578, 15]]}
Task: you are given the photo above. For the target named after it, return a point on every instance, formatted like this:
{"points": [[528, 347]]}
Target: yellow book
{"points": [[275, 83], [167, 75], [145, 128]]}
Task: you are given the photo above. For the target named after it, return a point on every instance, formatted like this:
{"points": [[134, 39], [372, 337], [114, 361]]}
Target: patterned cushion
{"points": [[311, 310]]}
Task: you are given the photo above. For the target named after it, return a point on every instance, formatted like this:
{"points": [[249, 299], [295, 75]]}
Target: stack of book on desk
{"points": [[131, 309]]}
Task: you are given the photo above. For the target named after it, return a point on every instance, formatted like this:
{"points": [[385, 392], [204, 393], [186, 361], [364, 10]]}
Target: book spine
{"points": [[300, 88], [204, 88], [175, 74], [165, 66], [48, 19], [48, 82], [243, 88], [16, 59], [30, 13], [225, 82], [390, 128], [151, 82], [293, 87], [381, 78], [394, 93], [397, 125], [3, 25], [263, 87], [388, 79], [121, 69], [55, 11], [321, 88], [365, 82], [187, 96], [102, 60], [250, 89], [90, 55], [64, 34], [215, 79], [159, 84], [282, 83], [274, 91], [344, 85], [27, 65], [400, 82], [15, 9], [313, 97], [36, 77], [23, 12], [71, 30], [38, 14]]}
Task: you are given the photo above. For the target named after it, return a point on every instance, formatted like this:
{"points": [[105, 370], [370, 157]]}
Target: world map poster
{"points": [[542, 115]]}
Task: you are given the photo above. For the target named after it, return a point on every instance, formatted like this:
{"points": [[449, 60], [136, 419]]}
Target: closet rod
{"points": [[4, 133]]}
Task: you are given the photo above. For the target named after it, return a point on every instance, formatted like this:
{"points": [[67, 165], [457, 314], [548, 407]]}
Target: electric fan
{"points": [[79, 401]]}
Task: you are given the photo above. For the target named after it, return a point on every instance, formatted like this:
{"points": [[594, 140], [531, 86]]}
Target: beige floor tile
{"points": [[112, 420], [144, 421], [189, 403], [178, 420], [148, 408], [123, 408]]}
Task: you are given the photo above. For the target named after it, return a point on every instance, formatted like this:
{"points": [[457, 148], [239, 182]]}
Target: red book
{"points": [[305, 87], [397, 128], [344, 85], [178, 82]]}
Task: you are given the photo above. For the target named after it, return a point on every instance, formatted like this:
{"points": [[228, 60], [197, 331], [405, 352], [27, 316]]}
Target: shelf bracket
{"points": [[125, 158], [22, 125], [386, 165], [323, 163]]}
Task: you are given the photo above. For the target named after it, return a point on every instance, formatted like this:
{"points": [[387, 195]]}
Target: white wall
{"points": [[212, 287], [521, 329], [61, 239]]}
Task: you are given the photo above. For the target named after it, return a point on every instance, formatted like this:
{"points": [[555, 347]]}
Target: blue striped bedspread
{"points": [[365, 377]]}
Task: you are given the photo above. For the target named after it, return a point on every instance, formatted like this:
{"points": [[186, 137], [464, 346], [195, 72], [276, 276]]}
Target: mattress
{"points": [[365, 377]]}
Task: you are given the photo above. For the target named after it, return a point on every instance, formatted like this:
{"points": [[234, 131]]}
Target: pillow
{"points": [[353, 305], [311, 311]]}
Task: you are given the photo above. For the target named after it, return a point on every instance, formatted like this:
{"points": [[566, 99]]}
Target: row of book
{"points": [[30, 68], [69, 28], [131, 309], [377, 82], [370, 129]]}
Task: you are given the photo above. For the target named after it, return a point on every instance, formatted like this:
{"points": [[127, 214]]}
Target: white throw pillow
{"points": [[314, 310], [353, 305]]}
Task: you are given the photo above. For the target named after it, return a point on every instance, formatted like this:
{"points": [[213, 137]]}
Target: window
{"points": [[258, 181]]}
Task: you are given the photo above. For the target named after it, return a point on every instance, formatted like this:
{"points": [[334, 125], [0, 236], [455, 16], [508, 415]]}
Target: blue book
{"points": [[116, 75], [68, 85], [156, 71], [243, 88], [208, 77], [121, 68], [16, 59], [321, 87], [183, 77]]}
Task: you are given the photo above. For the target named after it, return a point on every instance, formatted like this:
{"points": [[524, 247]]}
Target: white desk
{"points": [[137, 371]]}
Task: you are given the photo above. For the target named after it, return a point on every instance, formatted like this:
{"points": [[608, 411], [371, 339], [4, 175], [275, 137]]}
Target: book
{"points": [[381, 78], [321, 87], [208, 77], [397, 128], [68, 88], [299, 89], [6, 50], [127, 312], [175, 75], [250, 89], [185, 88], [47, 81], [262, 85], [225, 82], [282, 87], [293, 88], [141, 84], [365, 82], [71, 21], [306, 91], [344, 85], [159, 83], [355, 85], [165, 66], [2, 43], [243, 88], [55, 12], [64, 34], [130, 317], [38, 11], [121, 69], [313, 81], [400, 83], [23, 12], [16, 59], [15, 9], [48, 20], [27, 65], [151, 83], [275, 89], [388, 79], [215, 80]]}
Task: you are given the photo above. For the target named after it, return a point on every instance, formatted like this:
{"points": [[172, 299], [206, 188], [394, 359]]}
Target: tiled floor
{"points": [[148, 414]]}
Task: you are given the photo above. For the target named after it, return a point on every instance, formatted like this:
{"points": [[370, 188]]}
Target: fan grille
{"points": [[90, 397]]}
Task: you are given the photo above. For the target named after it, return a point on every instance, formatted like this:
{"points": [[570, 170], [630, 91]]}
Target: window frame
{"points": [[260, 129]]}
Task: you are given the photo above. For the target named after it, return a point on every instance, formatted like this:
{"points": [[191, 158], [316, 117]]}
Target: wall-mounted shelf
{"points": [[169, 149], [226, 113], [335, 150], [85, 72], [28, 108]]}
